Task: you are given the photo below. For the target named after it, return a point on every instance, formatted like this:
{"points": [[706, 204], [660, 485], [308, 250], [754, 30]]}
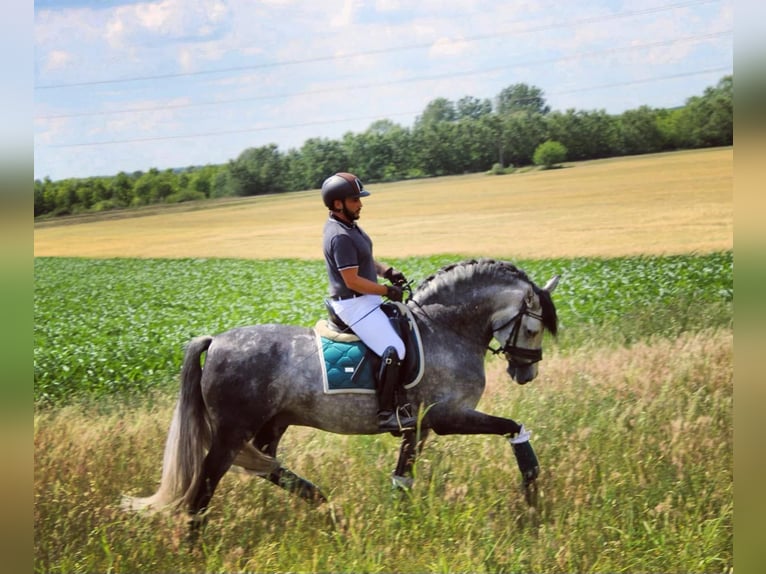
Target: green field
{"points": [[631, 414], [104, 326]]}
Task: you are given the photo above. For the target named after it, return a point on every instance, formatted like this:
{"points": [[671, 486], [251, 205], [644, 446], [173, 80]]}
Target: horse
{"points": [[259, 380]]}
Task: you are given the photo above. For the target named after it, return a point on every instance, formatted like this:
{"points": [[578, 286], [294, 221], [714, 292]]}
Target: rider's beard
{"points": [[350, 215]]}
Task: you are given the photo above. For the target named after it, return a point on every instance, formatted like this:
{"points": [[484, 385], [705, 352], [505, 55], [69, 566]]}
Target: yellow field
{"points": [[656, 204]]}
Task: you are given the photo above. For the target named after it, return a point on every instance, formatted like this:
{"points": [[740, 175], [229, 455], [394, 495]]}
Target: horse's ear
{"points": [[550, 286]]}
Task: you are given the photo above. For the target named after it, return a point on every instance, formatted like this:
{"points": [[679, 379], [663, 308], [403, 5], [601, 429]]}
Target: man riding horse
{"points": [[355, 294]]}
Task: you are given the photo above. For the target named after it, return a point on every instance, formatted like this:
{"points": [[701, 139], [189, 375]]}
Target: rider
{"points": [[355, 294]]}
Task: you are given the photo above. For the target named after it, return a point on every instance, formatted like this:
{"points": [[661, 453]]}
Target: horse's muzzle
{"points": [[522, 375], [522, 363]]}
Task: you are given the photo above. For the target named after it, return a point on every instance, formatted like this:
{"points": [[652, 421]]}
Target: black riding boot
{"points": [[390, 417]]}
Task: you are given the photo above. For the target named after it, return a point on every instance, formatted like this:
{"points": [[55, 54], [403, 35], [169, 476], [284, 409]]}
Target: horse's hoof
{"points": [[530, 475], [527, 461], [402, 482], [530, 493]]}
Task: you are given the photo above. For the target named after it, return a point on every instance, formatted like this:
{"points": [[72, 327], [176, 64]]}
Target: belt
{"points": [[345, 297]]}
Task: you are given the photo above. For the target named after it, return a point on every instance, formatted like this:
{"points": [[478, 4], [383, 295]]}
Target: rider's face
{"points": [[352, 207]]}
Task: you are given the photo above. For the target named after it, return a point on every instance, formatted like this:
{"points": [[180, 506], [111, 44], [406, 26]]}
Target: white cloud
{"points": [[58, 59], [345, 17], [167, 19], [388, 5], [449, 47]]}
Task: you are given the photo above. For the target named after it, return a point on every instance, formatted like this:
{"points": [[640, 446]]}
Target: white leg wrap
{"points": [[522, 436]]}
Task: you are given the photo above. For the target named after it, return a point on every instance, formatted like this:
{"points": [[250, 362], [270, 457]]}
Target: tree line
{"points": [[448, 138]]}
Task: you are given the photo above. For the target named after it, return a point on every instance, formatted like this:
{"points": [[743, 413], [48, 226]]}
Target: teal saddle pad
{"points": [[347, 367]]}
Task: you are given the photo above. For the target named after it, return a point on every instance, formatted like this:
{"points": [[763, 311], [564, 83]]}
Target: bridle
{"points": [[516, 356]]}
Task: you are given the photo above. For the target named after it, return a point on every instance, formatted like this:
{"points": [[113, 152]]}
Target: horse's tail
{"points": [[188, 438]]}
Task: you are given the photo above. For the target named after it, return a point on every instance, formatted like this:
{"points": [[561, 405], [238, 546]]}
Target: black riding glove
{"points": [[396, 277], [394, 292]]}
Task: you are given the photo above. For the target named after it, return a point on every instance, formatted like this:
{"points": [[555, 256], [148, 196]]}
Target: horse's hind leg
{"points": [[218, 460], [412, 446], [291, 482], [267, 440]]}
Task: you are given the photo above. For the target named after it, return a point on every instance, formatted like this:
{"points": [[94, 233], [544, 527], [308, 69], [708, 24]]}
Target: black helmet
{"points": [[341, 186]]}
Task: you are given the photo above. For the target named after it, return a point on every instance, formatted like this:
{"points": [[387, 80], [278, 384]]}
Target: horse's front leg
{"points": [[412, 446], [444, 421]]}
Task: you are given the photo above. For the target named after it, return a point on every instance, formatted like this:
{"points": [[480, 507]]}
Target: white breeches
{"points": [[368, 322]]}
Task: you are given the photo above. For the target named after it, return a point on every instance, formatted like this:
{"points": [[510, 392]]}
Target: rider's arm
{"points": [[361, 285], [381, 268]]}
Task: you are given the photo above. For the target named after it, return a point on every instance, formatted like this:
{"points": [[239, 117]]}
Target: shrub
{"points": [[549, 153], [498, 169], [185, 195]]}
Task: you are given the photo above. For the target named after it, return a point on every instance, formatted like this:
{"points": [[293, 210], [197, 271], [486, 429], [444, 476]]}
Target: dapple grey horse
{"points": [[259, 380]]}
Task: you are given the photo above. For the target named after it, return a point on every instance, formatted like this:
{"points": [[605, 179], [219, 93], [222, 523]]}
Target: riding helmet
{"points": [[342, 185]]}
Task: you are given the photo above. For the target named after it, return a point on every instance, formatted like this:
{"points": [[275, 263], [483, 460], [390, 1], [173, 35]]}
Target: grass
{"points": [[635, 446], [631, 414], [658, 204], [106, 326]]}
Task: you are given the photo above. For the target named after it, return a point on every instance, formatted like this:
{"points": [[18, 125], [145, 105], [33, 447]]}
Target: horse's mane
{"points": [[472, 269], [468, 270]]}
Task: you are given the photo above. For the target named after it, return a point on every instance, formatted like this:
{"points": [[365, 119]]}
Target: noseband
{"points": [[518, 357]]}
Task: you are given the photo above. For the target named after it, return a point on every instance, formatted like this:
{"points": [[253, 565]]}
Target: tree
{"points": [[521, 98], [155, 186], [437, 111], [257, 171], [477, 142], [669, 125], [435, 148], [447, 138], [222, 183], [521, 134], [201, 180], [586, 135], [41, 202], [708, 120], [550, 153], [381, 153], [472, 108], [317, 159], [640, 131], [122, 189]]}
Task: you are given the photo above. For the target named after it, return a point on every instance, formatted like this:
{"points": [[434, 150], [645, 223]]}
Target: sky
{"points": [[123, 85]]}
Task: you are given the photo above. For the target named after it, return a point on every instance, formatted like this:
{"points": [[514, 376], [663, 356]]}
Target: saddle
{"points": [[336, 333]]}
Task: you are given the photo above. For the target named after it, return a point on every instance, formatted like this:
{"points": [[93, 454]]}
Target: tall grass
{"points": [[635, 444]]}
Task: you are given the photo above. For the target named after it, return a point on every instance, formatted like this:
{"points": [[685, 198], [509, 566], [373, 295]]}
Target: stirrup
{"points": [[395, 421]]}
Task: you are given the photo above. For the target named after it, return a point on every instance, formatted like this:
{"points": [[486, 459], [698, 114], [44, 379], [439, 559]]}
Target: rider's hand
{"points": [[394, 292], [396, 277]]}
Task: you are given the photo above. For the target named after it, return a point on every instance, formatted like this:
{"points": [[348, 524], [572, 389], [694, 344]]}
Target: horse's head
{"points": [[521, 334], [518, 312]]}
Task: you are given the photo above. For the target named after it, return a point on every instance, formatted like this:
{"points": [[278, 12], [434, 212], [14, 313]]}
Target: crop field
{"points": [[631, 414], [646, 205]]}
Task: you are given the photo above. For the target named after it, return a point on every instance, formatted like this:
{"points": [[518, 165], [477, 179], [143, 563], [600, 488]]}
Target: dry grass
{"points": [[635, 446], [656, 204]]}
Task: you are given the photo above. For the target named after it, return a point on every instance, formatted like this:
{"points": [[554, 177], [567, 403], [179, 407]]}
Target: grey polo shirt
{"points": [[345, 246]]}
